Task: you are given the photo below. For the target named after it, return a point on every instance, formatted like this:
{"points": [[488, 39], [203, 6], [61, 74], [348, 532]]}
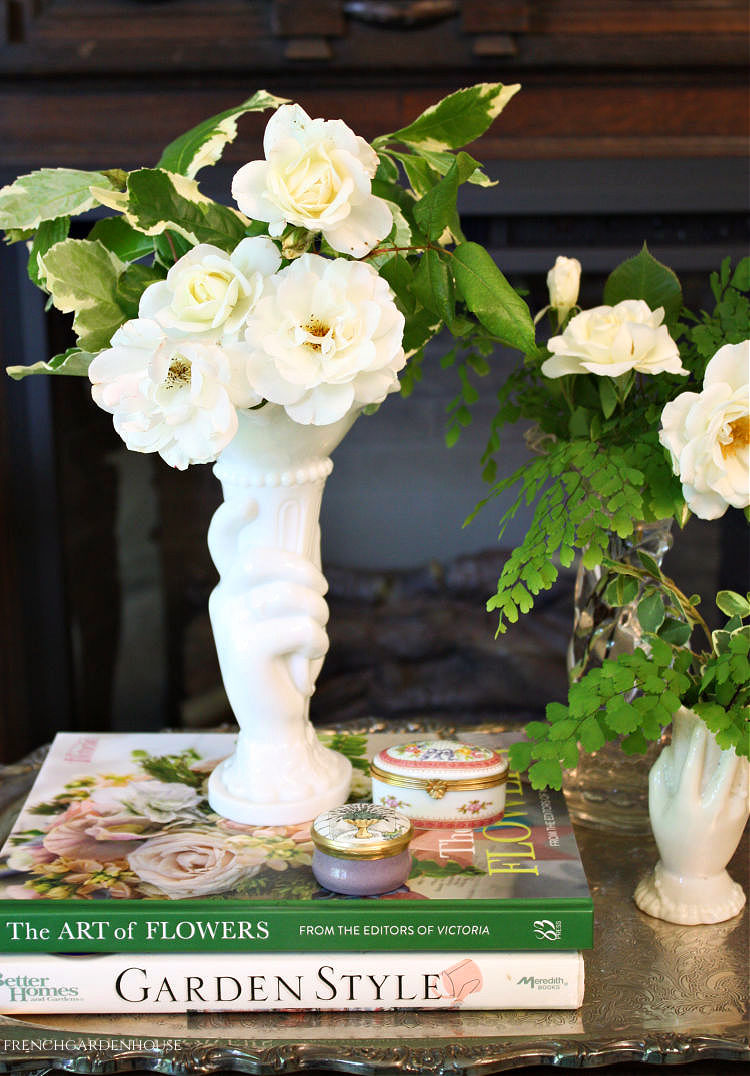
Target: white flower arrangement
{"points": [[341, 260]]}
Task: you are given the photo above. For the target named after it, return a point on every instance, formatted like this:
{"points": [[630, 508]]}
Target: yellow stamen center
{"points": [[736, 435], [179, 373], [315, 327]]}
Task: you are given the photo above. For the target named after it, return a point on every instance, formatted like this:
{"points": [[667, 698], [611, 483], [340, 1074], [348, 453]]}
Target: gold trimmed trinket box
{"points": [[361, 849], [441, 783]]}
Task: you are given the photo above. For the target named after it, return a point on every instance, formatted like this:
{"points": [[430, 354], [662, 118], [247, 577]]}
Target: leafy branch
{"points": [[634, 695]]}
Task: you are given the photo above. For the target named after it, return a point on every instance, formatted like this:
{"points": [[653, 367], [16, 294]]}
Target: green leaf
{"points": [[419, 328], [441, 162], [82, 277], [607, 396], [555, 711], [203, 145], [649, 564], [675, 631], [546, 774], [157, 201], [399, 275], [71, 362], [732, 604], [433, 286], [741, 275], [434, 211], [48, 194], [590, 735], [643, 277], [132, 284], [458, 119], [421, 176], [491, 298], [519, 755], [621, 716], [122, 239], [48, 233]]}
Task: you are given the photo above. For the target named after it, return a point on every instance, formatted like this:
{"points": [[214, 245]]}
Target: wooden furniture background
{"points": [[607, 84]]}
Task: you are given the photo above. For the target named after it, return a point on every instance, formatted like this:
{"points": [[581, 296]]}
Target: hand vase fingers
{"points": [[690, 775], [227, 522], [660, 783], [726, 790], [298, 635], [263, 565], [282, 598]]}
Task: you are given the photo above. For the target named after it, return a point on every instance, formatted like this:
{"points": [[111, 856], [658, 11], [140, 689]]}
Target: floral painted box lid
{"points": [[117, 849]]}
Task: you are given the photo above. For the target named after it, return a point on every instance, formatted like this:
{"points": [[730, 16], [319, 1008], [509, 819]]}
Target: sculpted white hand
{"points": [[269, 615], [698, 802]]}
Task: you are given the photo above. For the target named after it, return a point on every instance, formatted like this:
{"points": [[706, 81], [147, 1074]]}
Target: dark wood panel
{"points": [[129, 126]]}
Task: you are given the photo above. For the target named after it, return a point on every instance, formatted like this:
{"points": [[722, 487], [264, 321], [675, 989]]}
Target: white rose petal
{"points": [[611, 340], [707, 435], [158, 801], [317, 176], [563, 283], [325, 336], [174, 397], [210, 291]]}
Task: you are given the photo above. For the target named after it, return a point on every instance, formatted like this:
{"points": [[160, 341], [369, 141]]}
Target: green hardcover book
{"points": [[116, 850]]}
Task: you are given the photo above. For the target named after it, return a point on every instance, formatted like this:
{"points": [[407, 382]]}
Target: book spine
{"points": [[153, 983], [185, 926]]}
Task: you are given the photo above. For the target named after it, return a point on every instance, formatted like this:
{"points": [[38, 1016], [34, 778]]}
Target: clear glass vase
{"points": [[609, 789]]}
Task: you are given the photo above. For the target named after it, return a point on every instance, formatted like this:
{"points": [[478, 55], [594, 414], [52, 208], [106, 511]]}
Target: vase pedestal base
{"points": [[687, 900], [241, 806]]}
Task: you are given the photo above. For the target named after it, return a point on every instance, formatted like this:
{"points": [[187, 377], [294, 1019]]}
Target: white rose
{"points": [[707, 435], [563, 283], [190, 863], [158, 801], [325, 336], [174, 397], [610, 340], [209, 291], [316, 175]]}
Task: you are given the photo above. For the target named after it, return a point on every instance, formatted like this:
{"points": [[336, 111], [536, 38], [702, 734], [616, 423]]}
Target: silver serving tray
{"points": [[655, 993]]}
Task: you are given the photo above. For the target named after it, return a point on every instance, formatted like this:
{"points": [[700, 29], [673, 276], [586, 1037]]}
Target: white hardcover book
{"points": [[246, 982]]}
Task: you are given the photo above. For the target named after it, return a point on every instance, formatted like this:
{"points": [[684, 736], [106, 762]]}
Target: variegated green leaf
{"points": [[441, 162], [48, 194], [82, 276], [122, 239], [203, 145], [48, 233], [71, 362], [157, 201], [458, 119]]}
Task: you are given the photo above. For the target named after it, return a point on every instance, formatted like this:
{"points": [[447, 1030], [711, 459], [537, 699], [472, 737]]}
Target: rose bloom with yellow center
{"points": [[325, 336], [707, 434]]}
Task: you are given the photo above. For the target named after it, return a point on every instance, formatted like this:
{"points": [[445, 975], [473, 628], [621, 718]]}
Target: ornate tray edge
{"points": [[450, 1060]]}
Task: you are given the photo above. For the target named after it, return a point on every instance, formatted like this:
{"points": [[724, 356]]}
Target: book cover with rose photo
{"points": [[117, 850]]}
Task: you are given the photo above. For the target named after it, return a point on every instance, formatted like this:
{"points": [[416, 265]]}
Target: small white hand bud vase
{"points": [[268, 617], [698, 805]]}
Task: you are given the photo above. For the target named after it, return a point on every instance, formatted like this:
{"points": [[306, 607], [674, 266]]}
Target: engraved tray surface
{"points": [[655, 993]]}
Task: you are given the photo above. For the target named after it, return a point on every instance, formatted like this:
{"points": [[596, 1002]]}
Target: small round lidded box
{"points": [[441, 783], [361, 849]]}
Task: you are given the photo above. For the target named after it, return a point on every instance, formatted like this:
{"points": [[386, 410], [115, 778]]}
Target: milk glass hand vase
{"points": [[268, 616], [698, 803]]}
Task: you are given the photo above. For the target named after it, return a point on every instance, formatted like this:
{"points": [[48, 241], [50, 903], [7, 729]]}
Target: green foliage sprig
{"points": [[597, 466], [635, 695], [157, 214]]}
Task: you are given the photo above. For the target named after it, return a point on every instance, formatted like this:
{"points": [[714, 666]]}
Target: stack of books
{"points": [[121, 891]]}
